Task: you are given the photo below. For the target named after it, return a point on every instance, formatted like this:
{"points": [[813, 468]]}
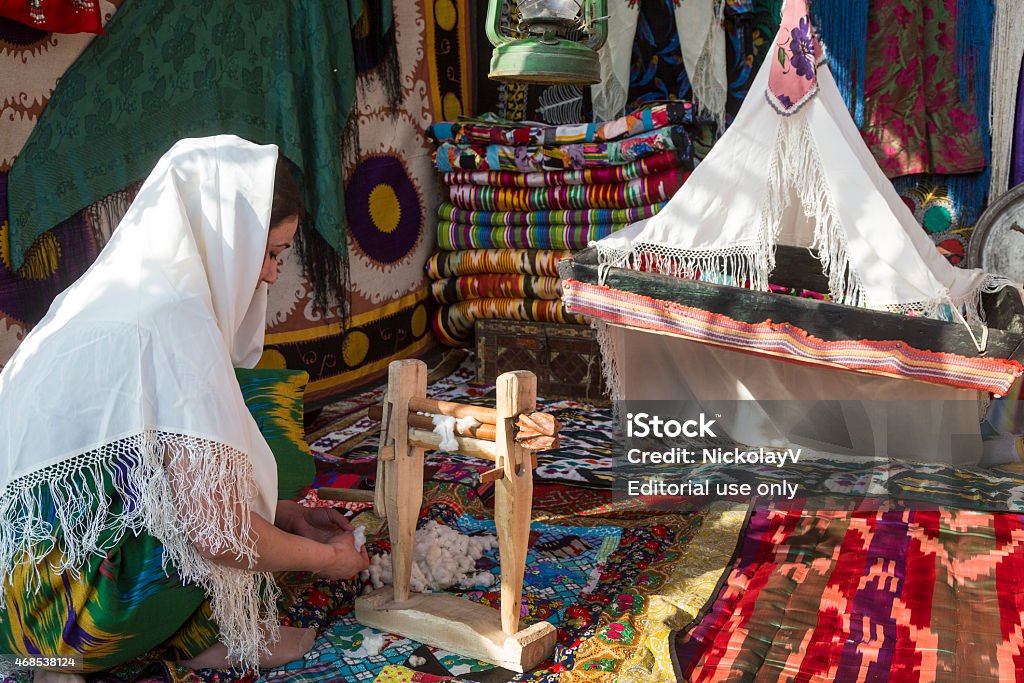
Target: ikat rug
{"points": [[890, 594]]}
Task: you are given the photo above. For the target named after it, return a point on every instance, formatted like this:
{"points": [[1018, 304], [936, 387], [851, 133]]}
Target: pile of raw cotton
{"points": [[442, 558]]}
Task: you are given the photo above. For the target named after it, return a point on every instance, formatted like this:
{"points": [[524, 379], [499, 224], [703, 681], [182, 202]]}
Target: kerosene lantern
{"points": [[547, 54]]}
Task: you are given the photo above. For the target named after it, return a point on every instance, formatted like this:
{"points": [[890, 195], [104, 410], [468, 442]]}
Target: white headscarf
{"points": [[132, 368]]}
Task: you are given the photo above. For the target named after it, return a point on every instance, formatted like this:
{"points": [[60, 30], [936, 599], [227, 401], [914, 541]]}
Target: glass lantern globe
{"points": [[547, 55]]}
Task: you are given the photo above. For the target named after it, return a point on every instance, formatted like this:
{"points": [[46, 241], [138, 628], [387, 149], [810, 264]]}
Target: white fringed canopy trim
{"points": [[805, 179]]}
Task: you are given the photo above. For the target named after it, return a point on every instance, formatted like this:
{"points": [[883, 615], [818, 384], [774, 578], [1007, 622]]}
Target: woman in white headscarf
{"points": [[137, 495]]}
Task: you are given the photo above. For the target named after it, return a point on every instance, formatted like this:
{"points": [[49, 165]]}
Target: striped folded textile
{"points": [[484, 261], [457, 236], [640, 192], [453, 214], [589, 176], [454, 324], [502, 132], [495, 286], [450, 157]]}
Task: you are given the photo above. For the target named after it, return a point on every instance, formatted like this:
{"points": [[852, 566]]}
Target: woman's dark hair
{"points": [[288, 200], [326, 271]]}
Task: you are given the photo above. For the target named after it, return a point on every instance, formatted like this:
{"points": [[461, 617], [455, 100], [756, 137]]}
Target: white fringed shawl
{"points": [[131, 374], [794, 169]]}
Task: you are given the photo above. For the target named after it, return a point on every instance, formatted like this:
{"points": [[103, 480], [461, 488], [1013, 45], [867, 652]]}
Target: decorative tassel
{"points": [[1004, 71], [968, 192], [842, 25], [326, 270], [376, 50], [974, 22], [1017, 146]]}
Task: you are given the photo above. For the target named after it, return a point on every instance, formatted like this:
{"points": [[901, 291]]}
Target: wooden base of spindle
{"points": [[457, 625]]}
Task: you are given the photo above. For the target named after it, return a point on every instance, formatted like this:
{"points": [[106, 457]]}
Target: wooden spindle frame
{"points": [[441, 619]]}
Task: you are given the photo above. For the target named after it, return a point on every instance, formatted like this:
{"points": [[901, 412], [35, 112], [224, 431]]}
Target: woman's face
{"points": [[281, 235]]}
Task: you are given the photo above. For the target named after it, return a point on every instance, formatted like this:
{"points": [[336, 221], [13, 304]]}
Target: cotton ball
{"points": [[445, 573], [417, 661], [478, 580], [373, 644], [359, 536]]}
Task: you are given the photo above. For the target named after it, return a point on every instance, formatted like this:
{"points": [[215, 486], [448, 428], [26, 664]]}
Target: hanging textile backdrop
{"points": [[31, 61], [390, 193], [907, 101]]}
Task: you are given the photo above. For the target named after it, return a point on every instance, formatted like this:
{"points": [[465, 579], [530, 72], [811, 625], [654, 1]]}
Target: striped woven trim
{"points": [[893, 357], [634, 193], [573, 217], [601, 175]]}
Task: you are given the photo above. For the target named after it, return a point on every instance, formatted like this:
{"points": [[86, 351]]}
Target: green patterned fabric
{"points": [[276, 400], [270, 72], [118, 607]]}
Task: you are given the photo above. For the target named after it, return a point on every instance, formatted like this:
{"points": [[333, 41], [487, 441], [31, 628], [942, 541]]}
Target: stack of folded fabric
{"points": [[522, 196]]}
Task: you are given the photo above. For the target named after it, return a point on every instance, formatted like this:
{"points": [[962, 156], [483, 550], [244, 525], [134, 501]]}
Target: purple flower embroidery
{"points": [[801, 49], [784, 100]]}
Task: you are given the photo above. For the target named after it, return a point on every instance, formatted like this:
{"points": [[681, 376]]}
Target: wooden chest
{"points": [[565, 358]]}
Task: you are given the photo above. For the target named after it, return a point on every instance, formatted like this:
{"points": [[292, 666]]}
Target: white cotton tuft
{"points": [[371, 646], [359, 534], [478, 580], [444, 426]]}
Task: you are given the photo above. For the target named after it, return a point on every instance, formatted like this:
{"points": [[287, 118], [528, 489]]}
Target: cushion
{"points": [[275, 397]]}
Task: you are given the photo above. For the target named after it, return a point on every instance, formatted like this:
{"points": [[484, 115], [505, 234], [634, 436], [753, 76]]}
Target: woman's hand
{"points": [[337, 556], [319, 524], [346, 561]]}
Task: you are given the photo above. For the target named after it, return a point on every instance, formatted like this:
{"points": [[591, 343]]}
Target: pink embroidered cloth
{"points": [[795, 56]]}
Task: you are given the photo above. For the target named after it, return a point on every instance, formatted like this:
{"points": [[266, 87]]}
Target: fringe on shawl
{"points": [[105, 215], [1005, 65], [797, 166], [739, 265], [609, 365], [710, 96], [243, 602]]}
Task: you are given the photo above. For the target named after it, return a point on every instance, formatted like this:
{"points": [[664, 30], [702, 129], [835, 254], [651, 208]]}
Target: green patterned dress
{"points": [[118, 607]]}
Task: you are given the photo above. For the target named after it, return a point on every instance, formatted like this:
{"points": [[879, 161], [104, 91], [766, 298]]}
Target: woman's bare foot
{"points": [[293, 644], [42, 676]]}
